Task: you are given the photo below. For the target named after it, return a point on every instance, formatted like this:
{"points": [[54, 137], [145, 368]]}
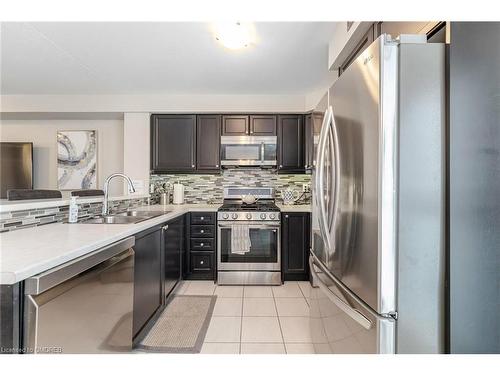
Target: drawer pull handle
{"points": [[202, 218], [202, 231], [202, 244], [201, 262]]}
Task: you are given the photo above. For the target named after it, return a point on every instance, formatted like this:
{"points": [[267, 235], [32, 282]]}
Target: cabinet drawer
{"points": [[201, 261], [203, 218], [202, 244], [203, 231]]}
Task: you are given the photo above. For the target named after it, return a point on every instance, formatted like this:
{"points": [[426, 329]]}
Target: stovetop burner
{"points": [[264, 209]]}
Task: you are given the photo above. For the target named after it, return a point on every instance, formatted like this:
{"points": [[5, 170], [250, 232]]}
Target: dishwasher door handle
{"points": [[44, 281]]}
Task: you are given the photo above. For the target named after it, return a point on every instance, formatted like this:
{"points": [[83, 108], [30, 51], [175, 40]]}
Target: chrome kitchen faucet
{"points": [[131, 189]]}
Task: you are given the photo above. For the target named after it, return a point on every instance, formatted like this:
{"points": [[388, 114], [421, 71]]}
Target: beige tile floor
{"points": [[256, 319]]}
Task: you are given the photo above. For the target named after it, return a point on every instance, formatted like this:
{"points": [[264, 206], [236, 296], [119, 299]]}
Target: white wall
{"points": [[152, 103], [136, 146], [42, 132]]}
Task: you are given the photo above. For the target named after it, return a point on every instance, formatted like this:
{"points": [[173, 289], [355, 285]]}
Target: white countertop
{"points": [[6, 205], [27, 252], [294, 207]]}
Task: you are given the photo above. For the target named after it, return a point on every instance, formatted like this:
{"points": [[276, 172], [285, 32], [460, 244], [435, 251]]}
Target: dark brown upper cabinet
{"points": [[208, 130], [291, 144], [235, 125], [173, 143], [308, 141], [262, 125]]}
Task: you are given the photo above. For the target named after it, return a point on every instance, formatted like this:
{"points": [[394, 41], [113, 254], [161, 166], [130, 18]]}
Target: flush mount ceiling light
{"points": [[234, 35]]}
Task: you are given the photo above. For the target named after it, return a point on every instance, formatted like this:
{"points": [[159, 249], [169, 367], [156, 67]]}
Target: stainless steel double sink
{"points": [[128, 217]]}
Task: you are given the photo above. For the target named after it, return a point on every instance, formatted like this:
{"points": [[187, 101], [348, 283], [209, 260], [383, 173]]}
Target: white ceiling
{"points": [[161, 58]]}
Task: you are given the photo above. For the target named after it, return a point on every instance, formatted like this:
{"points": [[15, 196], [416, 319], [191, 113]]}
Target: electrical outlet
{"points": [[306, 188]]}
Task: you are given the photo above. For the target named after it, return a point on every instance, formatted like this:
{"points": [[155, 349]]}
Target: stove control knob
{"points": [[225, 216], [249, 216], [263, 216], [272, 216], [234, 216]]}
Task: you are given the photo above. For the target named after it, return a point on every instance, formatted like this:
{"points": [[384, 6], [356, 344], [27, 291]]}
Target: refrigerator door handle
{"points": [[336, 159], [387, 316], [319, 181], [349, 310], [333, 176]]}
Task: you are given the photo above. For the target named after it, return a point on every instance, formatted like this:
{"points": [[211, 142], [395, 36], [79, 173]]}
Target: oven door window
{"points": [[263, 249]]}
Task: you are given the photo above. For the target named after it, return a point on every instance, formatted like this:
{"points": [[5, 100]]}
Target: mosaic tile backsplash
{"points": [[201, 188], [14, 220]]}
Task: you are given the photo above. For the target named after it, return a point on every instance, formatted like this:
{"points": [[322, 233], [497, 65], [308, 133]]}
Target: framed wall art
{"points": [[76, 159]]}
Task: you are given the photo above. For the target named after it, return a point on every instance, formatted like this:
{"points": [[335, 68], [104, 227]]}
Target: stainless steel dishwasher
{"points": [[83, 306]]}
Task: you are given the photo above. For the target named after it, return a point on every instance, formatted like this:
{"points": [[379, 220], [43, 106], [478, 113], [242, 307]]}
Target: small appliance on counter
{"points": [[178, 193], [165, 198]]}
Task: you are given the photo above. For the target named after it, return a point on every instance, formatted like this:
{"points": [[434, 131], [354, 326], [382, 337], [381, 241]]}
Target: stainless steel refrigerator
{"points": [[377, 256]]}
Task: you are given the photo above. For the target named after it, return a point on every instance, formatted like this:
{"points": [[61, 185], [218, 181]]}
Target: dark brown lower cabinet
{"points": [[147, 277], [295, 243], [200, 262]]}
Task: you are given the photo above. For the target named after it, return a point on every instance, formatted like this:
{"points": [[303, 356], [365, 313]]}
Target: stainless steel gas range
{"points": [[248, 241]]}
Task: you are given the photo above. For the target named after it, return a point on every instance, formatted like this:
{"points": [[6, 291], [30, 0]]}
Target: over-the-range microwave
{"points": [[247, 151]]}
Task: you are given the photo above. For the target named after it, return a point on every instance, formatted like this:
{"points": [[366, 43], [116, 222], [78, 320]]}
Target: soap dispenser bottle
{"points": [[73, 211]]}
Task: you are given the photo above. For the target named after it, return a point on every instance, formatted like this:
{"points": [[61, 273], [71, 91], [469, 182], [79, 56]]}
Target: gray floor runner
{"points": [[182, 326]]}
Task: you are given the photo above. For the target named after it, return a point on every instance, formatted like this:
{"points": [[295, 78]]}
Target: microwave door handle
{"points": [[346, 308]]}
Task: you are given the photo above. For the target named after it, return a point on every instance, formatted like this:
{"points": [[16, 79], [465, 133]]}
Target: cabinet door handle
{"points": [[202, 262], [281, 165], [202, 218], [165, 227], [286, 216], [202, 244], [192, 165], [216, 165], [202, 231]]}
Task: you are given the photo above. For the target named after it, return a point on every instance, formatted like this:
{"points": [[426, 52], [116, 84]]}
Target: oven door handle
{"points": [[270, 226]]}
